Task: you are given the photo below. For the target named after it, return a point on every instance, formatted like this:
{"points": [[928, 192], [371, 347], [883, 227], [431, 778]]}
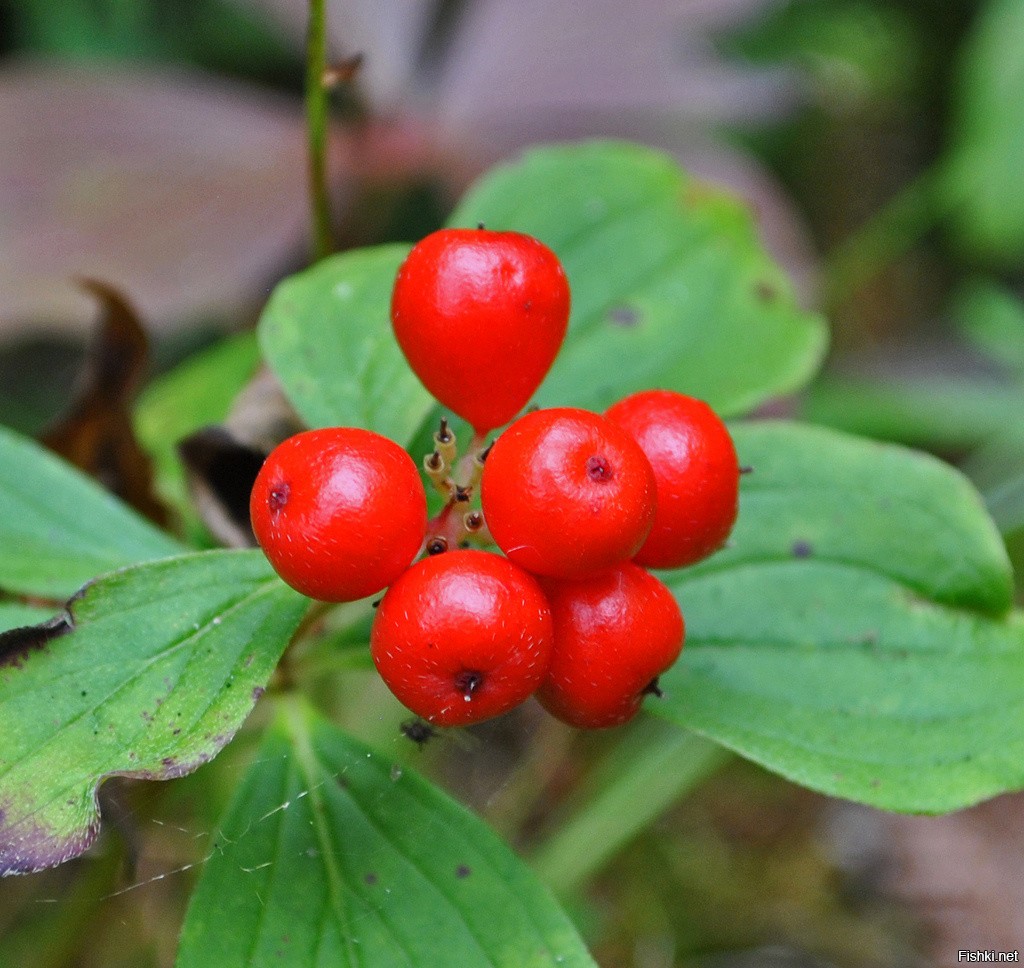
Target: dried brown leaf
{"points": [[97, 434], [222, 461]]}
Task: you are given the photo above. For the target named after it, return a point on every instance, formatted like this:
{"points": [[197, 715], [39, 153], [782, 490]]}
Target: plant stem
{"points": [[649, 772], [316, 128], [886, 236]]}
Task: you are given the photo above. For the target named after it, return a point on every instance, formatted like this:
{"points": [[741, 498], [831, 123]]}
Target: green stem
{"points": [[887, 235], [655, 767], [316, 127]]}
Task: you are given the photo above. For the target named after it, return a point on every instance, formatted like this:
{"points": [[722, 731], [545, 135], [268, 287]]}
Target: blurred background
{"points": [[158, 147]]}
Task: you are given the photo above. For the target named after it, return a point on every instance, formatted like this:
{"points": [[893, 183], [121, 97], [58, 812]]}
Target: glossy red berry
{"points": [[614, 635], [462, 636], [480, 317], [339, 512], [567, 493], [696, 470]]}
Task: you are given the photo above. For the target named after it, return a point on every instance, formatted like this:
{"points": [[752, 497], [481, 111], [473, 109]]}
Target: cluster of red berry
{"points": [[580, 503]]}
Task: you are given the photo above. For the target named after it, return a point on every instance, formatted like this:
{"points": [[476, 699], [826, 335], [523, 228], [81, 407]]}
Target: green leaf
{"points": [[824, 643], [326, 333], [984, 166], [196, 393], [671, 286], [58, 528], [819, 495], [15, 615], [992, 318], [942, 413], [948, 412], [148, 673], [856, 53], [330, 855], [997, 469]]}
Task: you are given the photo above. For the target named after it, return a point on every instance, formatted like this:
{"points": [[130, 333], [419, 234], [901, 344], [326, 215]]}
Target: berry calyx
{"points": [[614, 635], [696, 470], [339, 512], [480, 316], [462, 637], [567, 493]]}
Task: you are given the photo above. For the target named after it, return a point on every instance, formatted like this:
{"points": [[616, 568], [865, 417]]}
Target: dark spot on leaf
{"points": [[257, 691], [766, 291], [168, 761], [625, 316], [462, 871], [802, 549], [17, 644], [370, 878]]}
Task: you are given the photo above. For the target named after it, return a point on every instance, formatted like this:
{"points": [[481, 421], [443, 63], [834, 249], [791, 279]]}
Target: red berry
{"points": [[462, 637], [339, 512], [696, 470], [614, 635], [567, 493], [480, 317]]}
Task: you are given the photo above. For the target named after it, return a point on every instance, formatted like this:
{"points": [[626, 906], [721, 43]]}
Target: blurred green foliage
{"points": [[216, 35]]}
